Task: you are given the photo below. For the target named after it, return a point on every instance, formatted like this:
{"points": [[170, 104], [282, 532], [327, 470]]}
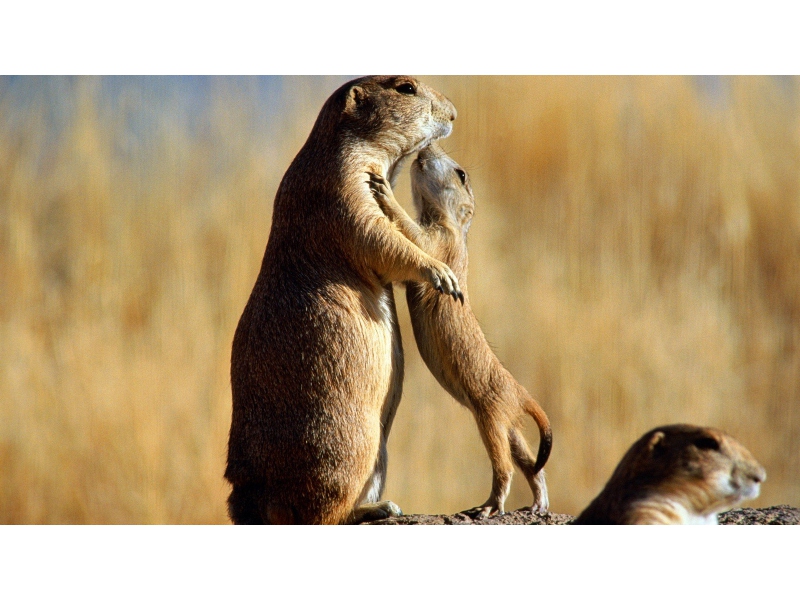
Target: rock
{"points": [[774, 515]]}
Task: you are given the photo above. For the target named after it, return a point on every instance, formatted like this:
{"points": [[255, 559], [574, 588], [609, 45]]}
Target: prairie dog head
{"points": [[703, 469], [441, 190], [395, 114]]}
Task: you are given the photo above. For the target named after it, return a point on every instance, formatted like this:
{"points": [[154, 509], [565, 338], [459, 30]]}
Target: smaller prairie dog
{"points": [[677, 475], [448, 335]]}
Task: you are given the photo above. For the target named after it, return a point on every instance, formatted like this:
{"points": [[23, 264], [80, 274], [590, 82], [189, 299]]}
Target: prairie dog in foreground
{"points": [[317, 361], [449, 336], [677, 475]]}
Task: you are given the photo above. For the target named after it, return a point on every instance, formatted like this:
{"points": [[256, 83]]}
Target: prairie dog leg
{"points": [[370, 507], [527, 463], [373, 491], [382, 192], [495, 438]]}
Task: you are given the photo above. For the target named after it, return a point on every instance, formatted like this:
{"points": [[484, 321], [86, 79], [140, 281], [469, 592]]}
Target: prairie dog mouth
{"points": [[445, 130], [426, 148], [751, 492]]}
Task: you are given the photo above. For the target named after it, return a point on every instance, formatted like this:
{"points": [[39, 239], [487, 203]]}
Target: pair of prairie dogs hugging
{"points": [[317, 360]]}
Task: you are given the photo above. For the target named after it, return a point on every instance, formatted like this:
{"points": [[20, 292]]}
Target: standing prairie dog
{"points": [[677, 475], [449, 336], [317, 360]]}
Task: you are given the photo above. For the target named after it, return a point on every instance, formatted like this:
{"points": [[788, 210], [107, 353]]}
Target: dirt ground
{"points": [[774, 515]]}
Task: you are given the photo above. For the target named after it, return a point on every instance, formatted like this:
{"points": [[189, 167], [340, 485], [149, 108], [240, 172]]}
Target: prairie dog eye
{"points": [[406, 88], [462, 176], [706, 443]]}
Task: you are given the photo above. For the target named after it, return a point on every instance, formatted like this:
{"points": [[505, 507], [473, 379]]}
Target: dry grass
{"points": [[635, 260]]}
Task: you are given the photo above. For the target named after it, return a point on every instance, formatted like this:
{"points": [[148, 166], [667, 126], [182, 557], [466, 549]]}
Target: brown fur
{"points": [[317, 360], [677, 474], [449, 336]]}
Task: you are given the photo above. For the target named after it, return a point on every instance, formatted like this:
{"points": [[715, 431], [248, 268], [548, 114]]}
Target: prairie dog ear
{"points": [[355, 98], [655, 441]]}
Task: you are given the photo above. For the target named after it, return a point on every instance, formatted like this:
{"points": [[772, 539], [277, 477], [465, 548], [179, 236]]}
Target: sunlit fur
{"points": [[677, 475], [449, 336], [317, 360]]}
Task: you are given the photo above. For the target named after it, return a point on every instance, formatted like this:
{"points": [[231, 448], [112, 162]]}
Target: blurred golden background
{"points": [[635, 261]]}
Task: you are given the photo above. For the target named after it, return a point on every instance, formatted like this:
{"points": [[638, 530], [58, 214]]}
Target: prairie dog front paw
{"points": [[443, 280]]}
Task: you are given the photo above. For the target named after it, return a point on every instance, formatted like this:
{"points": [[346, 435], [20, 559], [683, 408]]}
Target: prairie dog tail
{"points": [[545, 433]]}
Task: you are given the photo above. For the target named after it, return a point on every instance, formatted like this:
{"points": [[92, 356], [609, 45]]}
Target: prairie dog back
{"points": [[448, 335], [677, 475]]}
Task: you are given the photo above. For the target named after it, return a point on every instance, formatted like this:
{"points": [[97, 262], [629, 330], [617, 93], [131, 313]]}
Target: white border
{"points": [[397, 562], [300, 37]]}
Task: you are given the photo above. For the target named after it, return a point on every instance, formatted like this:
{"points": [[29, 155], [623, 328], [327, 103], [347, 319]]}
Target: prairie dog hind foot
{"points": [[375, 511]]}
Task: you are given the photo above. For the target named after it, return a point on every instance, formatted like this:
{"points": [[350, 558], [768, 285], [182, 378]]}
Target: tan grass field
{"points": [[635, 261]]}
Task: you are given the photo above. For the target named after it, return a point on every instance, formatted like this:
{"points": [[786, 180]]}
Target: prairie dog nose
{"points": [[453, 111], [759, 476]]}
